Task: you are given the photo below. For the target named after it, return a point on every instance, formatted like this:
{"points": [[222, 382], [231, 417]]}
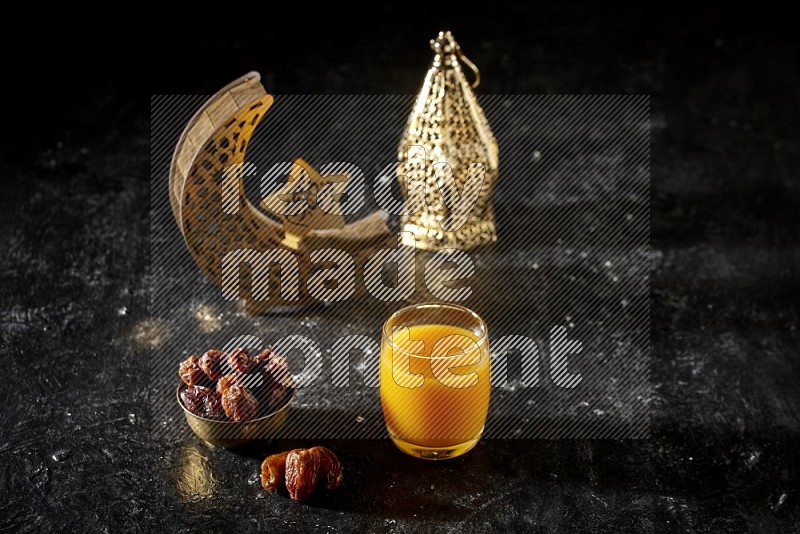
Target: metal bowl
{"points": [[236, 433]]}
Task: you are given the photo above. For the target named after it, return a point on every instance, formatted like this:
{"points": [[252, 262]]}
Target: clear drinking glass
{"points": [[435, 379]]}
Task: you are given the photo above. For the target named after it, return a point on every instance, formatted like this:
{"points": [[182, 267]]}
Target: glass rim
{"points": [[480, 342]]}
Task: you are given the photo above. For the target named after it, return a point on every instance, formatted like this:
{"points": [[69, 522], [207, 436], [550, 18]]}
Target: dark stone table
{"points": [[76, 449]]}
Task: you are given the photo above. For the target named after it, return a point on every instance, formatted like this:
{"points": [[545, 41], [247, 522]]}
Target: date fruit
{"points": [[227, 381], [273, 469], [212, 406], [262, 358], [190, 371], [211, 363], [239, 360], [203, 401], [193, 397], [330, 469], [302, 471], [239, 404]]}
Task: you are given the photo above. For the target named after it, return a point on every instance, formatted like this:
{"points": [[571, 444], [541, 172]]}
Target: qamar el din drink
{"points": [[435, 379]]}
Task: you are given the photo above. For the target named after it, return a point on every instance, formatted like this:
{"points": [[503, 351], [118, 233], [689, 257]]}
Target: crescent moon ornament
{"points": [[216, 219]]}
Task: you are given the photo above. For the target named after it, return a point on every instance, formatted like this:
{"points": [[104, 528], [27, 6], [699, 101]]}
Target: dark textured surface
{"points": [[75, 447]]}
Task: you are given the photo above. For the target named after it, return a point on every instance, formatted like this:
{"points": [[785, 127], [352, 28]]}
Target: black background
{"points": [[75, 452]]}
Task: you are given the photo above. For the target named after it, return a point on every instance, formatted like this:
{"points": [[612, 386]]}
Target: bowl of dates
{"points": [[234, 398]]}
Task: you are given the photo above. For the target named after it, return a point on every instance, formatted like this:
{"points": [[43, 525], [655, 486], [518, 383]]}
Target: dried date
{"points": [[239, 360], [211, 363], [273, 470], [229, 380], [203, 401], [190, 371], [212, 406], [239, 404], [262, 358], [193, 397], [330, 469], [303, 471]]}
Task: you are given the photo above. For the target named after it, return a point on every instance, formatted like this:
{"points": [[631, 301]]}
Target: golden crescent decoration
{"points": [[203, 197]]}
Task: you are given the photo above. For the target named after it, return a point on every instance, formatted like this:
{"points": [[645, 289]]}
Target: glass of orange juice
{"points": [[435, 379]]}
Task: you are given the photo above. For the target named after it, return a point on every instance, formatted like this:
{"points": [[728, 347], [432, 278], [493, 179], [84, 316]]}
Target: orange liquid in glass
{"points": [[448, 406]]}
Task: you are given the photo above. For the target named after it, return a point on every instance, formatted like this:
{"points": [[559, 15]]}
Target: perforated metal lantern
{"points": [[449, 124]]}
